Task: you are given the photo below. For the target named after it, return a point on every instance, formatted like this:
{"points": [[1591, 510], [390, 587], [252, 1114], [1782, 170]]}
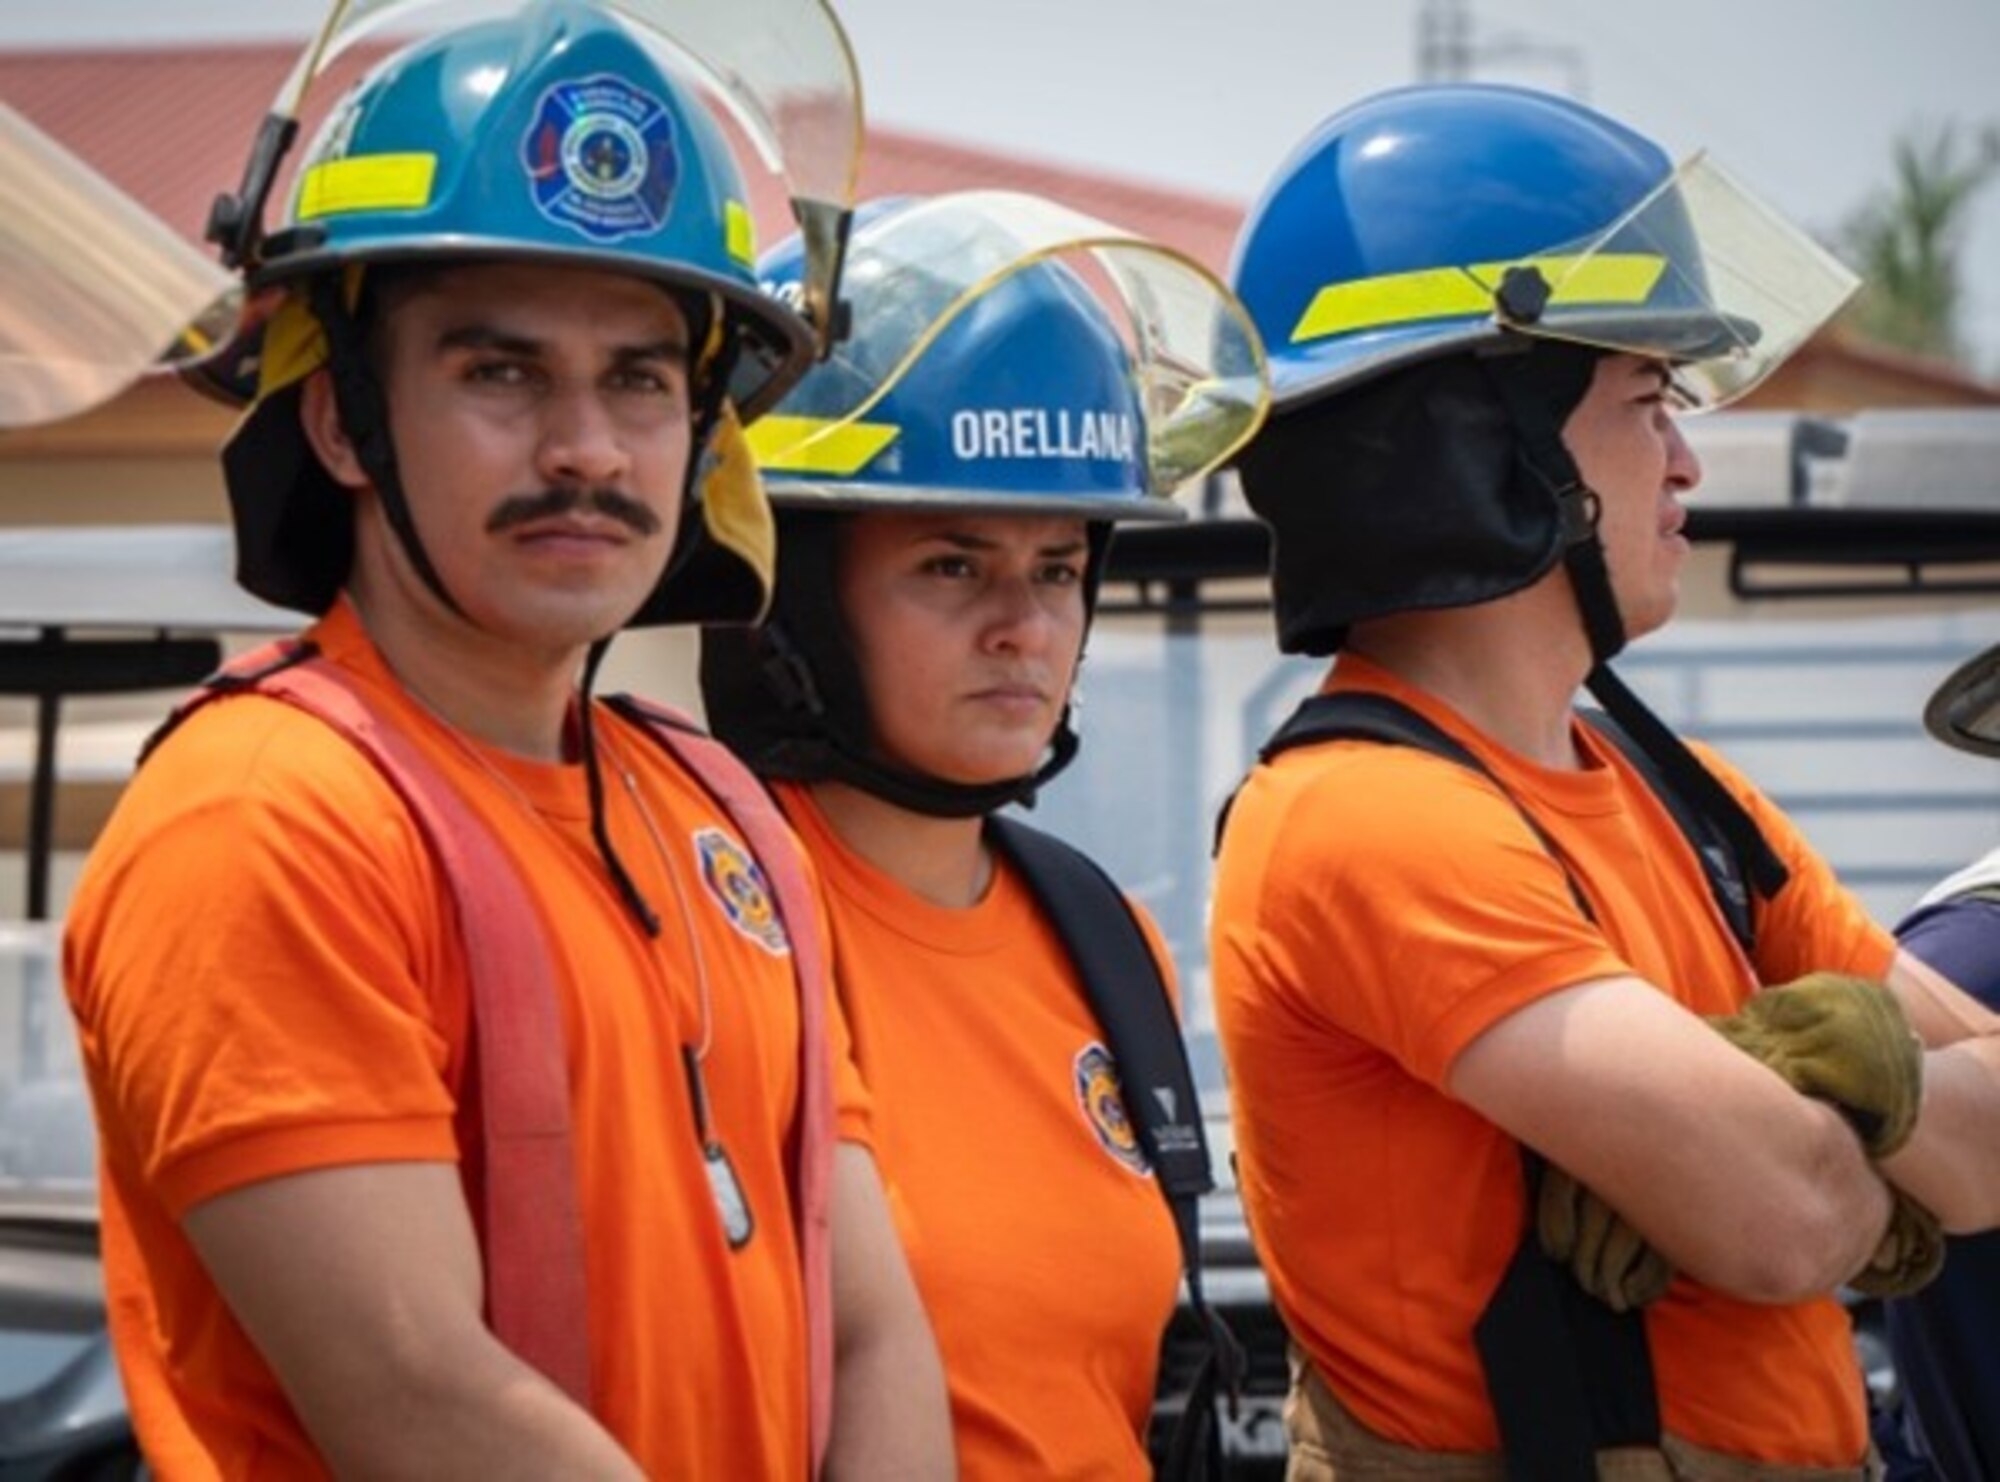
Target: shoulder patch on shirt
{"points": [[1095, 1075], [738, 886]]}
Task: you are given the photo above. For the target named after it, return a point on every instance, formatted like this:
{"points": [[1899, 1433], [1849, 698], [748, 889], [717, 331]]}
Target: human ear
{"points": [[320, 419]]}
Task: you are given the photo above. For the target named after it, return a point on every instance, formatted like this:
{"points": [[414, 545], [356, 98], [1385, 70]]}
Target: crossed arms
{"points": [[1734, 1177]]}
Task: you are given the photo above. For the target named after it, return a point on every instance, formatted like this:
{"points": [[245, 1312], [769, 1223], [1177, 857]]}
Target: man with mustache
{"points": [[472, 1097], [1569, 1082], [525, 509]]}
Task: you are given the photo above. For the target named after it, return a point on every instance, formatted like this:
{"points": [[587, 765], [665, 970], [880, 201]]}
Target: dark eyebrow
{"points": [[488, 337], [961, 540], [667, 347]]}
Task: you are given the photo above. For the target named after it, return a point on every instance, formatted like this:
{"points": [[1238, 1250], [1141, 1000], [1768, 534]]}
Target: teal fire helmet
{"points": [[555, 132]]}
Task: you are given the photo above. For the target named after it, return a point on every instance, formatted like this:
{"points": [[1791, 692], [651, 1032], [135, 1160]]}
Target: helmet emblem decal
{"points": [[737, 884], [1103, 1104], [601, 159]]}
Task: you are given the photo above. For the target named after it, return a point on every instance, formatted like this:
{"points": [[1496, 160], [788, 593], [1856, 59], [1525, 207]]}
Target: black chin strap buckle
{"points": [[788, 676], [1578, 511]]}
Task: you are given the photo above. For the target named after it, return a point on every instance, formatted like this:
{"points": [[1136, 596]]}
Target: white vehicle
{"points": [[100, 612]]}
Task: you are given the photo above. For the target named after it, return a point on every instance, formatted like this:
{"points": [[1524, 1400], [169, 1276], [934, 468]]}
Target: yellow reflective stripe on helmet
{"points": [[817, 445], [1451, 293], [368, 182], [1600, 278], [739, 233]]}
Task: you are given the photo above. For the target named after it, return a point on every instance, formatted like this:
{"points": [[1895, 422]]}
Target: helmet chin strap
{"points": [[364, 416], [937, 798], [363, 410], [830, 753], [1547, 459]]}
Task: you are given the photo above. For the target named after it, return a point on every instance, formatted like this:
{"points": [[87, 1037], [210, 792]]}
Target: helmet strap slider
{"points": [[1579, 509], [789, 674]]}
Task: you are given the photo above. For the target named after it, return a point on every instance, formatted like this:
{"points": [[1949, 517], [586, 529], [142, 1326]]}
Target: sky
{"points": [[1801, 99]]}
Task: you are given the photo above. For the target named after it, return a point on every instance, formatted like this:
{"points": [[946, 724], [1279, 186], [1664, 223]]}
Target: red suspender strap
{"points": [[531, 1224], [770, 839]]}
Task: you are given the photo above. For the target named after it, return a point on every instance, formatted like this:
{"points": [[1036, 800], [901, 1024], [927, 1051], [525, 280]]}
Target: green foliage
{"points": [[1906, 240]]}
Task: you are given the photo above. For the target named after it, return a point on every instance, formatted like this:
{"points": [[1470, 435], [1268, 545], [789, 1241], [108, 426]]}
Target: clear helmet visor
{"points": [[1198, 363], [1965, 711], [1700, 273], [782, 69], [98, 290]]}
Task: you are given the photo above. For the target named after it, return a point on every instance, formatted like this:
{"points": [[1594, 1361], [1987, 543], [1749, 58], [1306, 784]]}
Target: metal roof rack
{"points": [[1895, 503]]}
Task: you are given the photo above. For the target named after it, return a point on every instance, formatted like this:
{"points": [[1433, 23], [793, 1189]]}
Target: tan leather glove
{"points": [[1608, 1258], [1911, 1252], [1843, 1040]]}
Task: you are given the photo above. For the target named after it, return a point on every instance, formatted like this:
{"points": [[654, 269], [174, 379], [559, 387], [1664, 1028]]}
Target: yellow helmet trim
{"points": [[818, 444], [369, 182], [739, 233], [1452, 293]]}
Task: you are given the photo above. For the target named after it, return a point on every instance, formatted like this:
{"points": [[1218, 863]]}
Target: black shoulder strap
{"points": [[1358, 716], [1721, 864], [1352, 715], [1129, 1000], [1566, 1375]]}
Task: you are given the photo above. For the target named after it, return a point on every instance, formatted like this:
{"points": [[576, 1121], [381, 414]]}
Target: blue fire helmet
{"points": [[1429, 220], [983, 373]]}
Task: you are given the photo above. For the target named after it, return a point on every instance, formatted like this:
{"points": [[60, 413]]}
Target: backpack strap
{"points": [[1352, 715], [515, 1134], [1722, 864], [1129, 999], [1566, 1375], [750, 807]]}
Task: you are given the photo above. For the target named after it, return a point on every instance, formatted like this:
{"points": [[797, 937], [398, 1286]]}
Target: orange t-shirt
{"points": [[1376, 910], [264, 962], [1042, 1246]]}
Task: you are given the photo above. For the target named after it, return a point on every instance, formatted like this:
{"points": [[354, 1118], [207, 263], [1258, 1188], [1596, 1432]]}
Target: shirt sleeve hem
{"points": [[266, 1154], [1507, 993]]}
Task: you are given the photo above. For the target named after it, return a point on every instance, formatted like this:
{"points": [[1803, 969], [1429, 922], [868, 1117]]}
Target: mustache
{"points": [[525, 509]]}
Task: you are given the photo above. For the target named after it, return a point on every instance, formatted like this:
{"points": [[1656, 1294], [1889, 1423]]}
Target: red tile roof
{"points": [[171, 128]]}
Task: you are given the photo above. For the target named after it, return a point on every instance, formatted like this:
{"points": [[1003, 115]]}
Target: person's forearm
{"points": [[1951, 1165], [1808, 1173], [891, 1418], [488, 1416]]}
